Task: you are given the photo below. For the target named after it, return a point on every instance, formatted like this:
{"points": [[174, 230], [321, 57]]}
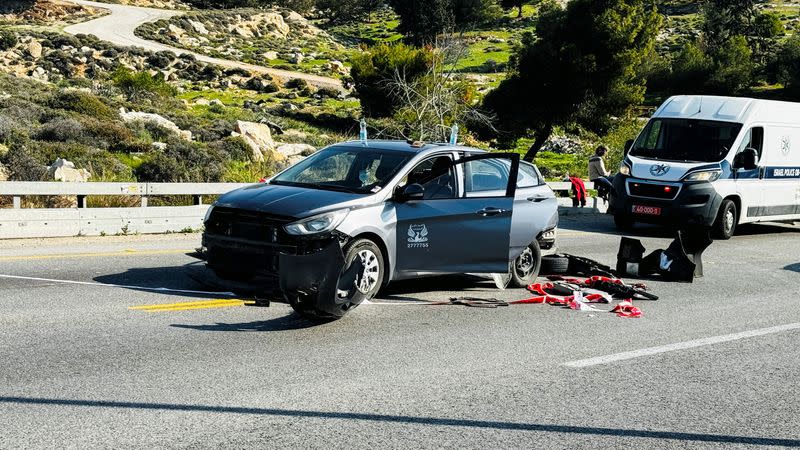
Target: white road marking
{"points": [[123, 286], [680, 346]]}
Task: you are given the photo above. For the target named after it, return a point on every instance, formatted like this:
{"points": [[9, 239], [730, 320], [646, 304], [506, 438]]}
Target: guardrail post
{"points": [[81, 201], [197, 200], [144, 201], [17, 200]]}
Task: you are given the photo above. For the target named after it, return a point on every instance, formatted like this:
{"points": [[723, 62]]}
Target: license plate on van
{"points": [[647, 210]]}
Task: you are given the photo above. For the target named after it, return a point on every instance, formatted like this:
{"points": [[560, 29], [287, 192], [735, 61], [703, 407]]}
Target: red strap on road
{"points": [[626, 309]]}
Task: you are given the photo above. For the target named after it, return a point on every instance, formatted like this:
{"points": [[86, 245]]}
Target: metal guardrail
{"points": [[18, 222]]}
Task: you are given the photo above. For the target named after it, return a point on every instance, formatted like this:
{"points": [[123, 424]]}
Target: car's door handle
{"points": [[490, 211], [536, 199]]}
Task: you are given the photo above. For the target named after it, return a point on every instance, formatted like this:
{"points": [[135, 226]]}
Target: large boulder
{"points": [[136, 116], [35, 49], [63, 170], [259, 137], [4, 172], [198, 26], [293, 153]]}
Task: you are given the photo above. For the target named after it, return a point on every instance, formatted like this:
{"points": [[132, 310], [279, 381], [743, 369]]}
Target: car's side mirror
{"points": [[747, 159], [413, 191], [628, 145]]}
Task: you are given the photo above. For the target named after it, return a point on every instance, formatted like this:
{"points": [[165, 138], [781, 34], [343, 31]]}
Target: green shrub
{"points": [[161, 59], [81, 102], [7, 39], [23, 165], [159, 168], [235, 148], [138, 85], [374, 70]]}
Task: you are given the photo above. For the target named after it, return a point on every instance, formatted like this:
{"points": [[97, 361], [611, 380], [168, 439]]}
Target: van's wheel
{"points": [[360, 279], [727, 219], [624, 222], [526, 267]]}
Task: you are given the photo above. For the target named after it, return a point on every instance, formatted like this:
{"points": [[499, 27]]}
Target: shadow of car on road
{"points": [[293, 321], [166, 280]]}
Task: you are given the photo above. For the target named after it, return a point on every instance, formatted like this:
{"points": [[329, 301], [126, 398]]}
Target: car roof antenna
{"points": [[363, 132], [454, 134]]}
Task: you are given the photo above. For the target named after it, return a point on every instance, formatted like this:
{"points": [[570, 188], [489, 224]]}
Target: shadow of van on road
{"points": [[604, 224]]}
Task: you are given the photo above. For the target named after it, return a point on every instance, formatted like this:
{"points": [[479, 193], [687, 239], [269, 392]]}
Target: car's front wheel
{"points": [[360, 279], [527, 265]]}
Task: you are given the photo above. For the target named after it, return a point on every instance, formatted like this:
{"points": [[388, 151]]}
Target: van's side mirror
{"points": [[413, 191], [627, 148], [747, 159]]}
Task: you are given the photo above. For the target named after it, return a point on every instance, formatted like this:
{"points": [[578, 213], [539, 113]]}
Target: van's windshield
{"points": [[687, 140], [347, 169]]}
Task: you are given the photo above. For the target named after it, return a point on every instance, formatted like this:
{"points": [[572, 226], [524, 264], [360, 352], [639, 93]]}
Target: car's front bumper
{"points": [[280, 273], [695, 203]]}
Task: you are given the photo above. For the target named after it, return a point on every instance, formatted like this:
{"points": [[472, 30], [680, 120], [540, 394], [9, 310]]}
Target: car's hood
{"points": [[286, 201], [651, 169]]}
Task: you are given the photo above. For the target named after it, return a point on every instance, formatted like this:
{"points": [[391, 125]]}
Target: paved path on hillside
{"points": [[118, 28]]}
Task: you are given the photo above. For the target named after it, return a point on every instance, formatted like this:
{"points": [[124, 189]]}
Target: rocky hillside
{"points": [[279, 38], [44, 12]]}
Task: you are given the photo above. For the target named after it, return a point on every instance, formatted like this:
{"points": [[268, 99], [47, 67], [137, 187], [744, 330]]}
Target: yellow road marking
{"points": [[128, 252], [185, 306]]}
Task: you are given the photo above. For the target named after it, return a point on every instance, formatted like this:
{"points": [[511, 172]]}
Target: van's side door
{"points": [[458, 233], [750, 183], [781, 174]]}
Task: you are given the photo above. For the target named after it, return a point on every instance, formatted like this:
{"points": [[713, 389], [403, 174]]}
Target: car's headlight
{"points": [[624, 169], [208, 213], [322, 223], [704, 175]]}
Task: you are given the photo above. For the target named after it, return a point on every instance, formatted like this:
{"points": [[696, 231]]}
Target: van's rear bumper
{"points": [[695, 204]]}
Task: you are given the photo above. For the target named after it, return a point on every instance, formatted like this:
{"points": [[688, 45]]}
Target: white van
{"points": [[712, 161]]}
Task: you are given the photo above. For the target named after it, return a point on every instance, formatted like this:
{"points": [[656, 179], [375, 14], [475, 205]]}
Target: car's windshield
{"points": [[349, 169], [686, 140]]}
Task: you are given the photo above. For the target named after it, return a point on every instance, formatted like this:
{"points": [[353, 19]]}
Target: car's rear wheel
{"points": [[527, 265], [360, 279]]}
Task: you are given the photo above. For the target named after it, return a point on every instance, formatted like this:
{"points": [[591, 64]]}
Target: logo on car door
{"points": [[418, 236]]}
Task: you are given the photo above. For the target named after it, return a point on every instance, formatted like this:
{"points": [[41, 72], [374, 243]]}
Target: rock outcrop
{"points": [[136, 116], [259, 137], [63, 170]]}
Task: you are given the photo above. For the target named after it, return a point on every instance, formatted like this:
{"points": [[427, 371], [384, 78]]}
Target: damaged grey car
{"points": [[329, 232]]}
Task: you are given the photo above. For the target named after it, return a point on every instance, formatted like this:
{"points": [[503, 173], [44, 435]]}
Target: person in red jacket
{"points": [[578, 191]]}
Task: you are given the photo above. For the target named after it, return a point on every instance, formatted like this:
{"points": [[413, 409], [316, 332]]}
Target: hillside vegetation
{"points": [[543, 77]]}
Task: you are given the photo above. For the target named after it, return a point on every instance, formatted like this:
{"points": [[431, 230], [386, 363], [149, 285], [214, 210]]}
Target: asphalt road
{"points": [[80, 368], [119, 27]]}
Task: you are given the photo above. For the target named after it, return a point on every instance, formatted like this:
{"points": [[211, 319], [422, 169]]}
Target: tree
{"points": [[429, 105], [583, 68], [788, 66], [733, 66], [724, 19], [510, 4], [421, 21], [347, 11], [374, 69]]}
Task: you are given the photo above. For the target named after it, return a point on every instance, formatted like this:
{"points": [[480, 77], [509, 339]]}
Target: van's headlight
{"points": [[624, 169], [322, 223], [208, 213], [704, 175]]}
